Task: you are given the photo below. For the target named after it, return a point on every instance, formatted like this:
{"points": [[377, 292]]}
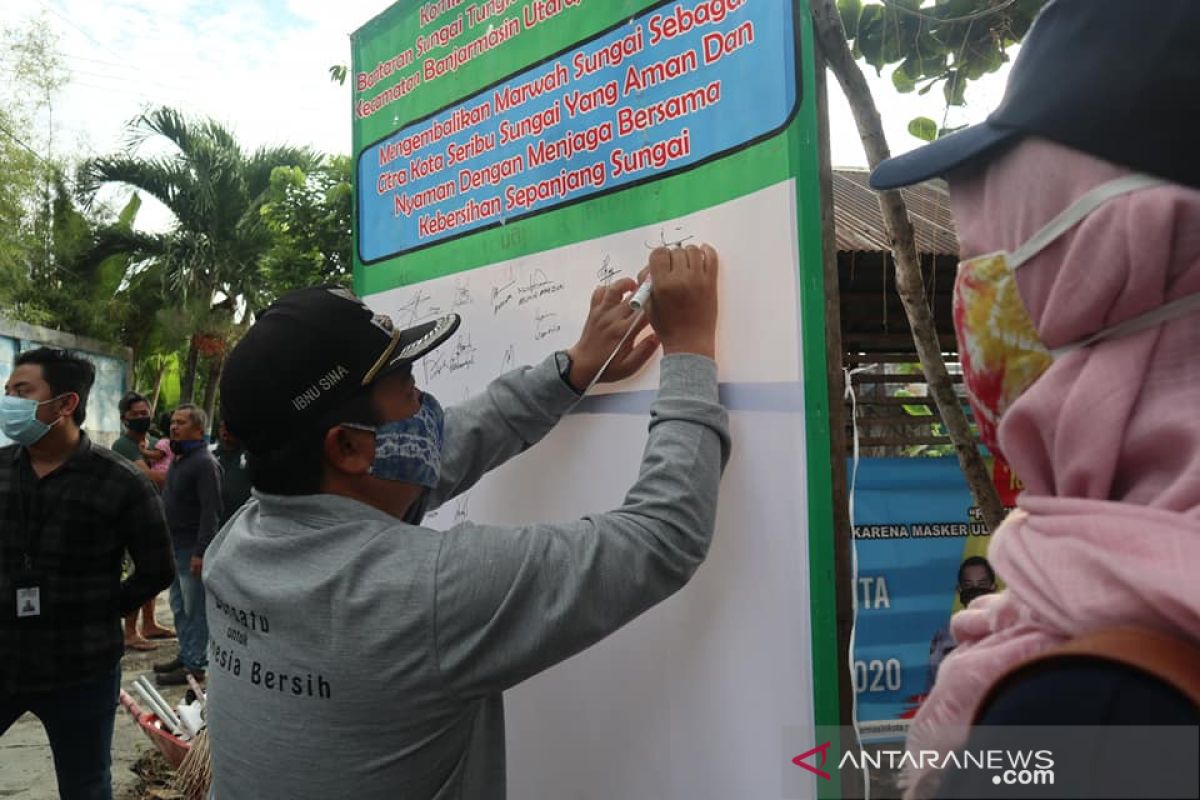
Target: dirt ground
{"points": [[26, 766]]}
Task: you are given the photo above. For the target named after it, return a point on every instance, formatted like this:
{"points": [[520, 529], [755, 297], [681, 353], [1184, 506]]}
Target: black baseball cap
{"points": [[307, 354], [1117, 79]]}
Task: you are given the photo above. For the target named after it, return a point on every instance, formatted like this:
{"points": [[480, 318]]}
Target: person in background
{"points": [[398, 641], [135, 439], [69, 511], [136, 444], [192, 497], [975, 579], [235, 472], [1077, 311]]}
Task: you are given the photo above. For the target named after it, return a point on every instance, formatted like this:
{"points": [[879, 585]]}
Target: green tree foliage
{"points": [[309, 214], [211, 258], [56, 268], [946, 42], [215, 191], [247, 226], [34, 65], [20, 182], [76, 285], [34, 72]]}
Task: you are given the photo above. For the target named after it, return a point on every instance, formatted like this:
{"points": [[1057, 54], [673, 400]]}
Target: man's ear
{"points": [[70, 402], [349, 451]]}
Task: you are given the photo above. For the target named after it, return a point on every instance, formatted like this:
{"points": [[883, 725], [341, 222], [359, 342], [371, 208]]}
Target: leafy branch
{"points": [[951, 44]]}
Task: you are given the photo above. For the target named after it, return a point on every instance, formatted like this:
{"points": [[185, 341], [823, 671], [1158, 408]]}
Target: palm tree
{"points": [[210, 259]]}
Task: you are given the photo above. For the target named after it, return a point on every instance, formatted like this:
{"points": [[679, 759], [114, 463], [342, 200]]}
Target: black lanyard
{"points": [[26, 506]]}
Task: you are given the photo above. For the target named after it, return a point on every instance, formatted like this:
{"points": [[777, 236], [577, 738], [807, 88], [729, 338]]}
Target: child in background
{"points": [[159, 457]]}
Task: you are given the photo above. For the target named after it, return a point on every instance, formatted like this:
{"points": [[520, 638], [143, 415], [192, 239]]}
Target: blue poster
{"points": [[636, 103], [921, 546]]}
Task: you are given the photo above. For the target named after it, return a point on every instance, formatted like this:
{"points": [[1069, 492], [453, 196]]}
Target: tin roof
{"points": [[859, 222]]}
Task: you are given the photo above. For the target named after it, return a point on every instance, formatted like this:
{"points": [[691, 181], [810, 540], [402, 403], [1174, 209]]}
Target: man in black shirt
{"points": [[192, 496], [69, 510]]}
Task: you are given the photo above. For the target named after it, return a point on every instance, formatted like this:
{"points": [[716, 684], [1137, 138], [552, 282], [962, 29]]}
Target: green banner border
{"points": [[822, 569]]}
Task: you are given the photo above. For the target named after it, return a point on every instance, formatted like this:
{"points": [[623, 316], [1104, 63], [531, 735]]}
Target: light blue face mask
{"points": [[410, 450], [18, 419]]}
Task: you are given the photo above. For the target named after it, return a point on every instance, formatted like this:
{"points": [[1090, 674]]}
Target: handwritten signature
{"points": [[545, 325], [461, 356], [462, 294], [607, 271], [539, 286], [419, 307], [502, 295], [678, 238]]}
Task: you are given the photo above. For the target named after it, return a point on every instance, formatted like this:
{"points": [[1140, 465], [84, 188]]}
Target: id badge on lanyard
{"points": [[29, 601], [28, 587]]}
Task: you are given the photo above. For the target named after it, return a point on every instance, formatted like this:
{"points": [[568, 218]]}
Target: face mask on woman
{"points": [[1002, 354]]}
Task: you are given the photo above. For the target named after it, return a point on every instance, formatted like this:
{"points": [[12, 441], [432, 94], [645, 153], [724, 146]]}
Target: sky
{"points": [[261, 67]]}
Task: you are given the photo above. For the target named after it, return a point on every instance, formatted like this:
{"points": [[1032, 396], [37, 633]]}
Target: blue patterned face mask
{"points": [[410, 450]]}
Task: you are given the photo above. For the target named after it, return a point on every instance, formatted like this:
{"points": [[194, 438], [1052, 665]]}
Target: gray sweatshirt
{"points": [[356, 655]]}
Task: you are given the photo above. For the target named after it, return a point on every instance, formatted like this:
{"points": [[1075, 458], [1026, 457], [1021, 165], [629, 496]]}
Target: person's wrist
{"points": [[580, 370], [695, 345]]}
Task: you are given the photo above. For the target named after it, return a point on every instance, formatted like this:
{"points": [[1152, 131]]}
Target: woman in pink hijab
{"points": [[1106, 439], [1077, 307]]}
